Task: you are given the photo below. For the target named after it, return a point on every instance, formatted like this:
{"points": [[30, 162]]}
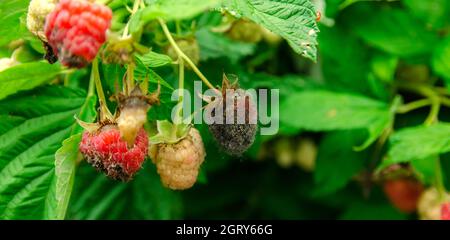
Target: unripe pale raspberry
{"points": [[245, 31], [37, 12], [108, 152], [306, 154], [187, 46], [429, 207], [178, 164], [76, 29]]}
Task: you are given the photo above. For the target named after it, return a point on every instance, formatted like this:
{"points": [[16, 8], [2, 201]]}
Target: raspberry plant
{"points": [[86, 106]]}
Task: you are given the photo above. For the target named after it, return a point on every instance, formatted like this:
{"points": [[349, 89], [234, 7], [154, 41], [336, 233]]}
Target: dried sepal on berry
{"points": [[177, 157], [121, 50], [233, 125]]}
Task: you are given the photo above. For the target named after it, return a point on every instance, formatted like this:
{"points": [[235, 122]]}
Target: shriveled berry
{"points": [[178, 164], [403, 193], [235, 131], [108, 152], [76, 29]]}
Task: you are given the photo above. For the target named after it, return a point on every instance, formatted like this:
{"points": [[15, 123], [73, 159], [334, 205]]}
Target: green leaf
{"points": [[426, 168], [344, 59], [434, 13], [320, 110], [142, 71], [383, 67], [214, 45], [364, 210], [153, 59], [11, 12], [337, 162], [9, 122], [395, 32], [66, 159], [440, 60], [97, 197], [27, 150], [26, 76], [176, 9], [65, 165], [419, 143], [294, 20]]}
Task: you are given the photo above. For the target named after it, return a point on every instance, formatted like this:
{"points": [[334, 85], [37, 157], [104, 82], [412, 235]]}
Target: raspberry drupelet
{"points": [[108, 152], [76, 29]]}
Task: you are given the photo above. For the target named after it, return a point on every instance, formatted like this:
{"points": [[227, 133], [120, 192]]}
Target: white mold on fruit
{"points": [[37, 12]]}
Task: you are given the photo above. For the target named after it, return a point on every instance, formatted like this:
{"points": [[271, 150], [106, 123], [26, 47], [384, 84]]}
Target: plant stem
{"points": [[439, 179], [432, 96], [136, 5], [130, 77], [179, 115], [413, 106], [183, 56], [445, 101], [104, 111], [442, 91]]}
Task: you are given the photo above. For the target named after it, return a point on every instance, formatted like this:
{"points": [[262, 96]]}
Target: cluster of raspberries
{"points": [[73, 31]]}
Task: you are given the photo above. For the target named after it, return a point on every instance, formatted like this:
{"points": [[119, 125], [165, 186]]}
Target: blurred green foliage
{"points": [[378, 95]]}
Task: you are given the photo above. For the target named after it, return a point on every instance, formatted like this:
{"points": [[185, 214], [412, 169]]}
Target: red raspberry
{"points": [[109, 153], [403, 193], [76, 29], [445, 211]]}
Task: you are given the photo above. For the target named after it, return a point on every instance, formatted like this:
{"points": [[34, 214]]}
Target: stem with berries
{"points": [[182, 55]]}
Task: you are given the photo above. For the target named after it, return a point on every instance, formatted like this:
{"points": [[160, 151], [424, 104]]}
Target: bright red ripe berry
{"points": [[109, 153], [403, 193], [445, 211], [76, 29]]}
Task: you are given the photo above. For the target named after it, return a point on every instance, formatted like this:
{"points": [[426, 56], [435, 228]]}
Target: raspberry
{"points": [[306, 154], [178, 164], [37, 12], [107, 152], [237, 137], [76, 29], [403, 193], [430, 204], [245, 31], [189, 47], [445, 211]]}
